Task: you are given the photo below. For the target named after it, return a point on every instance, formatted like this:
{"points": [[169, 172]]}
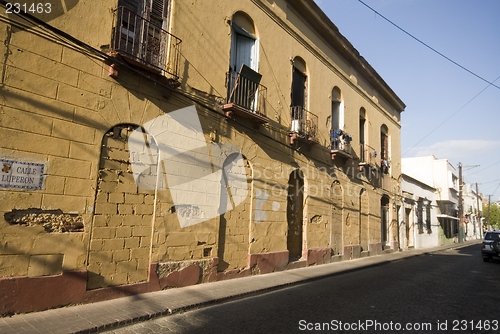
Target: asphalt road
{"points": [[451, 291]]}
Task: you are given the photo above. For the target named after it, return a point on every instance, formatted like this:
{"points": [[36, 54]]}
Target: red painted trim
{"points": [[27, 294], [113, 292], [235, 273], [318, 255], [269, 262]]}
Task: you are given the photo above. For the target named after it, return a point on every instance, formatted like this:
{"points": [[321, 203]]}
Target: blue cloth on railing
{"points": [[336, 133], [335, 144], [340, 134]]}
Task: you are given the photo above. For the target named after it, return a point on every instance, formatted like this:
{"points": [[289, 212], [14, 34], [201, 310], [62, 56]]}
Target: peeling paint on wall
{"points": [[51, 220], [260, 199], [208, 269]]}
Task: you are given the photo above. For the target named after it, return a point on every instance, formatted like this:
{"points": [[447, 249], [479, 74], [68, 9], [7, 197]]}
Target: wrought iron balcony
{"points": [[367, 155], [145, 44], [304, 125], [246, 97], [384, 165], [341, 144]]}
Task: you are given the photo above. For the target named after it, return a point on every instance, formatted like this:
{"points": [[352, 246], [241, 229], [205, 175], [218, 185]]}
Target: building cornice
{"points": [[318, 20]]}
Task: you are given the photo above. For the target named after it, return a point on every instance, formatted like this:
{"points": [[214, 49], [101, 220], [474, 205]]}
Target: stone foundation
{"points": [[375, 249], [352, 252], [265, 263], [27, 294], [318, 256]]}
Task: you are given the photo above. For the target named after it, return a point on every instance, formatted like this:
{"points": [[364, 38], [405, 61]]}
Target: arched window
{"points": [[299, 95], [299, 83], [243, 77], [244, 43], [337, 110]]}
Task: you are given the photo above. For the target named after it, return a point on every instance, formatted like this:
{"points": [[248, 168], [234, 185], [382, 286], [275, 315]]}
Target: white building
{"points": [[429, 188], [472, 212], [419, 226]]}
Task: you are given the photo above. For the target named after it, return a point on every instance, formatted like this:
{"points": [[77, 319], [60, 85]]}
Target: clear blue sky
{"points": [[433, 89]]}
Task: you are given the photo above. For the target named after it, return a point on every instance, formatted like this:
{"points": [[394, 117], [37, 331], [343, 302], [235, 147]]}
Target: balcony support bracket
{"points": [[343, 155], [113, 71], [296, 138], [257, 119]]}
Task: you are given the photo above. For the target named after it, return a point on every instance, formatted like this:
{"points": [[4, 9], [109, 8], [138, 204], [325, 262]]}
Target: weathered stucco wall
{"points": [[61, 108]]}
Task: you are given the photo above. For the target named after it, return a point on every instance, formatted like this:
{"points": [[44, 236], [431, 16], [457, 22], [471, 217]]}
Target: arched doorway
{"points": [[337, 199], [120, 240], [363, 219], [294, 214], [384, 220], [233, 230]]}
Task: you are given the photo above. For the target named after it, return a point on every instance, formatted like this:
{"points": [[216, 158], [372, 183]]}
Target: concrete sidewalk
{"points": [[91, 318]]}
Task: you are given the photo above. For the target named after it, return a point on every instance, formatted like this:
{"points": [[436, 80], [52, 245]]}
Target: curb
{"points": [[168, 311]]}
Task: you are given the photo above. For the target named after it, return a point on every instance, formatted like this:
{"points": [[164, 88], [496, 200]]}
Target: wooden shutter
{"points": [[156, 11], [133, 5], [384, 149], [157, 8]]}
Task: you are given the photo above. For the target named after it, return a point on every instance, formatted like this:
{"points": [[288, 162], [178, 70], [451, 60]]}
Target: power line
{"points": [[488, 186], [495, 189], [496, 163], [446, 120], [447, 58], [428, 46]]}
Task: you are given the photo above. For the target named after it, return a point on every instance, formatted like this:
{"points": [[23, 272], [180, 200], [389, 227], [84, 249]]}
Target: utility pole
{"points": [[478, 214], [460, 206], [460, 203], [489, 204]]}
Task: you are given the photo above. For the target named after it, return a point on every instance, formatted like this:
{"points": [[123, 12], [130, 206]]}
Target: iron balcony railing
{"points": [[367, 154], [304, 123], [246, 93], [145, 42], [341, 141]]}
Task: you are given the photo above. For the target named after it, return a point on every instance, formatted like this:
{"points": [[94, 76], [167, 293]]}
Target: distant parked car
{"points": [[491, 245]]}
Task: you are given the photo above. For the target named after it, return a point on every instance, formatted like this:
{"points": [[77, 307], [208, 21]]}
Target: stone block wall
{"points": [[120, 238], [60, 108]]}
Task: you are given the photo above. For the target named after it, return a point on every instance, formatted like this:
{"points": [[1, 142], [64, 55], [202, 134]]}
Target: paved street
{"points": [[452, 288]]}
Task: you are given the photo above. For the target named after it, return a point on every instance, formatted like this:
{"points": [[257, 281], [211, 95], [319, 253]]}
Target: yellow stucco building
{"points": [[147, 144]]}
